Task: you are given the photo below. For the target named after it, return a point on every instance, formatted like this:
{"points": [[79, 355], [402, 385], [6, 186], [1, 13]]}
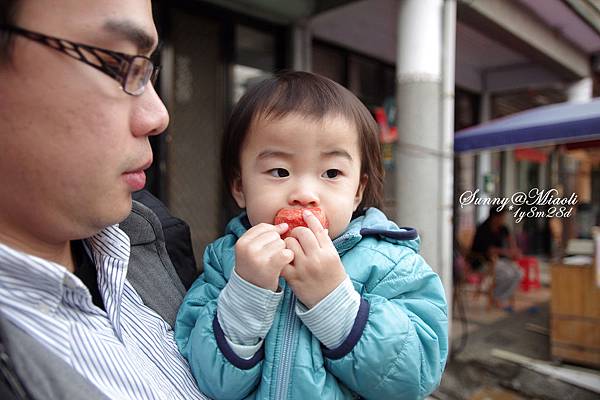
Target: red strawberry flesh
{"points": [[293, 217]]}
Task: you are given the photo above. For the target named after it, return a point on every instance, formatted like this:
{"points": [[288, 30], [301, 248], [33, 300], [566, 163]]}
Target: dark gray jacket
{"points": [[44, 375]]}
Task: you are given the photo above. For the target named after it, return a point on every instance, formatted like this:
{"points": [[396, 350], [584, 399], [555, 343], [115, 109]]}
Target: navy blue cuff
{"points": [[353, 337], [406, 234], [228, 352]]}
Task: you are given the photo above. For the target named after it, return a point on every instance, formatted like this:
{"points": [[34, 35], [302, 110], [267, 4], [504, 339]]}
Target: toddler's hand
{"points": [[261, 254], [317, 269]]}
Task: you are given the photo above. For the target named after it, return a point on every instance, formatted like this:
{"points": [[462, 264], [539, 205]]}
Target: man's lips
{"points": [[136, 178], [141, 168]]}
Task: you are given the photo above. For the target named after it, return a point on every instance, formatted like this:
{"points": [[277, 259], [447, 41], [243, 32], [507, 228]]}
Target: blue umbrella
{"points": [[552, 124]]}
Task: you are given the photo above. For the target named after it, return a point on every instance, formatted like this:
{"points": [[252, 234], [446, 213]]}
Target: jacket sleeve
{"points": [[219, 371], [398, 344]]}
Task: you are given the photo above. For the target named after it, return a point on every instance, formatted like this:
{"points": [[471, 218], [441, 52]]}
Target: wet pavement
{"points": [[473, 372]]}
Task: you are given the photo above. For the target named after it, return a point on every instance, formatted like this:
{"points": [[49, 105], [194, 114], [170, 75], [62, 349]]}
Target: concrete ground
{"points": [[473, 373]]}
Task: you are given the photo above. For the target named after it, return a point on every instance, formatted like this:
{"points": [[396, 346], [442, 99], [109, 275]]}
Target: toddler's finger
{"points": [[282, 228], [264, 239], [314, 224], [292, 244], [288, 256], [289, 273], [312, 221], [282, 258], [324, 239], [274, 246], [258, 230], [307, 239]]}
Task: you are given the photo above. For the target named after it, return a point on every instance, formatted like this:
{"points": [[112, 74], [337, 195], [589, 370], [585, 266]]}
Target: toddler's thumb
{"points": [[282, 228]]}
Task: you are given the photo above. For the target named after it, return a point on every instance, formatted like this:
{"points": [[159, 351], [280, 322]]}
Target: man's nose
{"points": [[150, 116], [304, 194]]}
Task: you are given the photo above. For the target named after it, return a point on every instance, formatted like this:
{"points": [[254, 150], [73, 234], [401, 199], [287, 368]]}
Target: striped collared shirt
{"points": [[127, 351]]}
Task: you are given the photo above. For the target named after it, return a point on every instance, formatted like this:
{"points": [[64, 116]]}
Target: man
{"points": [[494, 243], [83, 314]]}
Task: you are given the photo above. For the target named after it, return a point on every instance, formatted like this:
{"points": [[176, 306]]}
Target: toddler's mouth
{"points": [[293, 217]]}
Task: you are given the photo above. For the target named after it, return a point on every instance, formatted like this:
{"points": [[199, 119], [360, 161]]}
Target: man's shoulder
{"points": [[39, 372], [150, 270], [142, 225], [149, 221]]}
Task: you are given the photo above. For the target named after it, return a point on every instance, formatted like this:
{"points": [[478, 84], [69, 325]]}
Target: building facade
{"points": [[431, 67]]}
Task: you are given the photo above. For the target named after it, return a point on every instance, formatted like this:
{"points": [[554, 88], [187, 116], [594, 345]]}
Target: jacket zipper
{"points": [[289, 334]]}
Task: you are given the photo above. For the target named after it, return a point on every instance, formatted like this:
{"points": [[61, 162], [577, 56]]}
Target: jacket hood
{"points": [[372, 223]]}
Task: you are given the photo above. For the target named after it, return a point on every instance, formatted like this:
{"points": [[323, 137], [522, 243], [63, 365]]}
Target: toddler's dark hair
{"points": [[313, 96]]}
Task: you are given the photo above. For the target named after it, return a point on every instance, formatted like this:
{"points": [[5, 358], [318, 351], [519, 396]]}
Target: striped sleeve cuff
{"points": [[239, 360], [245, 352], [245, 312], [331, 320]]}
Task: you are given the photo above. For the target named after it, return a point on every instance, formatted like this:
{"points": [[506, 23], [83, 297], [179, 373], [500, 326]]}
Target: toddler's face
{"points": [[299, 162]]}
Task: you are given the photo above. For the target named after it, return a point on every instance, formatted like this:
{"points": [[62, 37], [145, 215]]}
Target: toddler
{"points": [[341, 312]]}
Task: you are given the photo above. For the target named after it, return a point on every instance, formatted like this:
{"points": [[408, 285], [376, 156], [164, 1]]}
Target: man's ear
{"points": [[237, 191], [361, 190]]}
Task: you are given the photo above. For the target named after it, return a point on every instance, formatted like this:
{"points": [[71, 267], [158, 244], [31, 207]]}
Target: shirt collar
{"points": [[47, 281], [111, 242], [42, 278]]}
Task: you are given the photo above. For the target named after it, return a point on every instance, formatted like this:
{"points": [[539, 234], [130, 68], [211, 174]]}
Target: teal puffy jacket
{"points": [[396, 349]]}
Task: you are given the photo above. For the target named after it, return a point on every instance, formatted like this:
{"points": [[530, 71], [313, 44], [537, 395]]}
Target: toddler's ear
{"points": [[237, 191], [361, 190]]}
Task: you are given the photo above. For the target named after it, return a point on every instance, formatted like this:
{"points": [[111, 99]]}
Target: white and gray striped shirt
{"points": [[127, 351]]}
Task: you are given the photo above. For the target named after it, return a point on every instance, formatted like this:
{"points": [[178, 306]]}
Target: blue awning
{"points": [[553, 124]]}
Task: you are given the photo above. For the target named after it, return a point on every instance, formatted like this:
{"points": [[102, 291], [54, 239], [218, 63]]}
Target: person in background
{"points": [[493, 243]]}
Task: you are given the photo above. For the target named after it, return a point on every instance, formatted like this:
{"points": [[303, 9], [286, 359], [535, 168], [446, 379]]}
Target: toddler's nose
{"points": [[303, 196]]}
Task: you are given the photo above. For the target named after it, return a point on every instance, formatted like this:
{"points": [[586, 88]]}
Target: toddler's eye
{"points": [[331, 173], [279, 172]]}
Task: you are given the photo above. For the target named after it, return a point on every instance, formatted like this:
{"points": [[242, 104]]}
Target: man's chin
{"points": [[124, 210], [115, 213]]}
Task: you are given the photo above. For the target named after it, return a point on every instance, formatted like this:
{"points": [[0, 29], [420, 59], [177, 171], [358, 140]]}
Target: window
{"points": [[255, 58]]}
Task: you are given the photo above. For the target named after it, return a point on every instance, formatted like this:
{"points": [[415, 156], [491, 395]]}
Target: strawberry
{"points": [[293, 217]]}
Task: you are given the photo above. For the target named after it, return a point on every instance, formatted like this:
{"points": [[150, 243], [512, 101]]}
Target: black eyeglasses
{"points": [[132, 72]]}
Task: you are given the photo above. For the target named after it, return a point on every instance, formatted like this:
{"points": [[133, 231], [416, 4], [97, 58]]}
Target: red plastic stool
{"points": [[531, 273]]}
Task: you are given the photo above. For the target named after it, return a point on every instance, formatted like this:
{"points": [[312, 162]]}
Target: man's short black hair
{"points": [[8, 10]]}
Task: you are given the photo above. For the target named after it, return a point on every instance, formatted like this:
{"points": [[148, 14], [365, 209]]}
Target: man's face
{"points": [[73, 143], [296, 162]]}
